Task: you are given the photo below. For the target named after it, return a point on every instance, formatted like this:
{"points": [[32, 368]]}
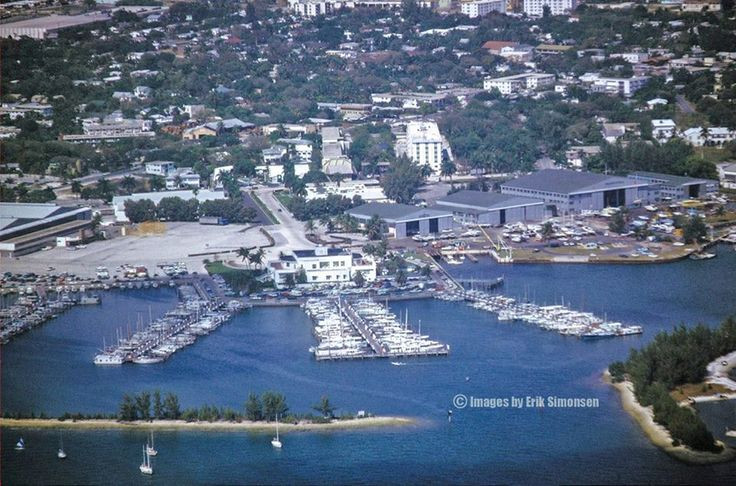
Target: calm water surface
{"points": [[50, 370]]}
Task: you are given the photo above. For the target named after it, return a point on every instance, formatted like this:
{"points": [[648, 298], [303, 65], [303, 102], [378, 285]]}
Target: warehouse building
{"points": [[676, 187], [567, 191], [491, 208], [402, 220], [28, 227]]}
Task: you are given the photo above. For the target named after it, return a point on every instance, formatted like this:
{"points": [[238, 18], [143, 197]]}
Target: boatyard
{"points": [[363, 328]]}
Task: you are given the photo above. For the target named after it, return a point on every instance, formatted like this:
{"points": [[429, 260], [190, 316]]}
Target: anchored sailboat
{"points": [[275, 441], [60, 453], [20, 445], [150, 449], [145, 466]]}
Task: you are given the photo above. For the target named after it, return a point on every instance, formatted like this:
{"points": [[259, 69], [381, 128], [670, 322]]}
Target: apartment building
{"points": [[508, 85], [424, 144], [479, 8], [535, 8]]}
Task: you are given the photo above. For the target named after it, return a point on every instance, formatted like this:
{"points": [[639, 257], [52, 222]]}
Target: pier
{"points": [[363, 329], [199, 313], [560, 318]]}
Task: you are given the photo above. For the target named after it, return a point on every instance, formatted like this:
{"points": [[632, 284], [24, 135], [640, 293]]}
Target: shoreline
{"points": [[659, 435], [101, 424]]}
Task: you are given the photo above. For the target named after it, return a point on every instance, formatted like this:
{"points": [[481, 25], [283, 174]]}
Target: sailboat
{"points": [[20, 445], [145, 466], [275, 441], [150, 449], [60, 453]]}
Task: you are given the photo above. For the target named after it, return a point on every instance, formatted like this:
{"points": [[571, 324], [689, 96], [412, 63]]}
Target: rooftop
{"points": [[669, 179], [486, 200], [563, 181], [394, 212]]}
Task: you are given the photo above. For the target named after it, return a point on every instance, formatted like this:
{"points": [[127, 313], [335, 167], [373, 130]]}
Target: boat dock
{"points": [[198, 314], [32, 310], [560, 318], [362, 328]]}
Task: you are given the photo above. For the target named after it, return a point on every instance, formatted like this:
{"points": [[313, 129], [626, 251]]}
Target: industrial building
{"points": [[402, 220], [491, 208], [321, 265], [28, 227], [676, 187], [567, 191], [49, 25]]}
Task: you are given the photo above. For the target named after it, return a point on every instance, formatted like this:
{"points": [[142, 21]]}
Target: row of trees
{"points": [[147, 406], [178, 209], [317, 209], [674, 359], [268, 406]]}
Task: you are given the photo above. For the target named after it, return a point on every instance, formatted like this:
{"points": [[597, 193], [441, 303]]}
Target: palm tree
{"points": [[257, 257], [244, 254], [128, 183], [76, 187], [547, 231], [309, 226]]}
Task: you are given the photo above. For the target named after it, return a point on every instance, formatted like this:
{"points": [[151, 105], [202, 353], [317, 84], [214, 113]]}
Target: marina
{"points": [[559, 317], [363, 328], [31, 310], [198, 314]]}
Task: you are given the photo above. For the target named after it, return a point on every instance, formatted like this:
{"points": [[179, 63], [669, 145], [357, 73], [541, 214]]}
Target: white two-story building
{"points": [[321, 265]]}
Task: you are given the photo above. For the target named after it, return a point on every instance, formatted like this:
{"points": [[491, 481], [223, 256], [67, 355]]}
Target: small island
{"points": [[148, 410], [659, 383]]}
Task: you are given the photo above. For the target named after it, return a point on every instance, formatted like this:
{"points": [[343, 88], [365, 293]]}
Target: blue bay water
{"points": [[50, 370]]}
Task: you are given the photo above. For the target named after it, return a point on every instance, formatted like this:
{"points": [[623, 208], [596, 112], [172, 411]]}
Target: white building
{"points": [[110, 130], [727, 174], [424, 144], [513, 84], [368, 190], [273, 173], [160, 168], [335, 148], [535, 8], [479, 8], [182, 178], [299, 147], [663, 129], [321, 265], [621, 86], [713, 136]]}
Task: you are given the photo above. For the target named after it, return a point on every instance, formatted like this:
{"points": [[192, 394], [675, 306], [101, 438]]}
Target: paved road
{"points": [[289, 233], [684, 105]]}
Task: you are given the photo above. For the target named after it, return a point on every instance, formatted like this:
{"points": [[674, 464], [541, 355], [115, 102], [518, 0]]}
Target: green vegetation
{"points": [[239, 280], [332, 205], [177, 209], [265, 407], [674, 359], [402, 180]]}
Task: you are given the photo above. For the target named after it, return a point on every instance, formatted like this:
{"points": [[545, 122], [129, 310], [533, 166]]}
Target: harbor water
{"points": [[50, 370]]}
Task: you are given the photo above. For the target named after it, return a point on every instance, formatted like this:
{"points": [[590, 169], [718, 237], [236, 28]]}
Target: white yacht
{"points": [[20, 445], [108, 359]]}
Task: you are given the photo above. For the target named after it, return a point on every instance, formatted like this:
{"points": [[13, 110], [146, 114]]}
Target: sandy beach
{"points": [[659, 435], [363, 423]]}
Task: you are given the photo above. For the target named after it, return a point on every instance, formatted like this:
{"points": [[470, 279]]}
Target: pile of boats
{"points": [[365, 329], [163, 337], [30, 311], [560, 318]]}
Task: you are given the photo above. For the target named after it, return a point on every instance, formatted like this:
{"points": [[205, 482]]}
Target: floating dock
{"points": [[362, 329]]}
